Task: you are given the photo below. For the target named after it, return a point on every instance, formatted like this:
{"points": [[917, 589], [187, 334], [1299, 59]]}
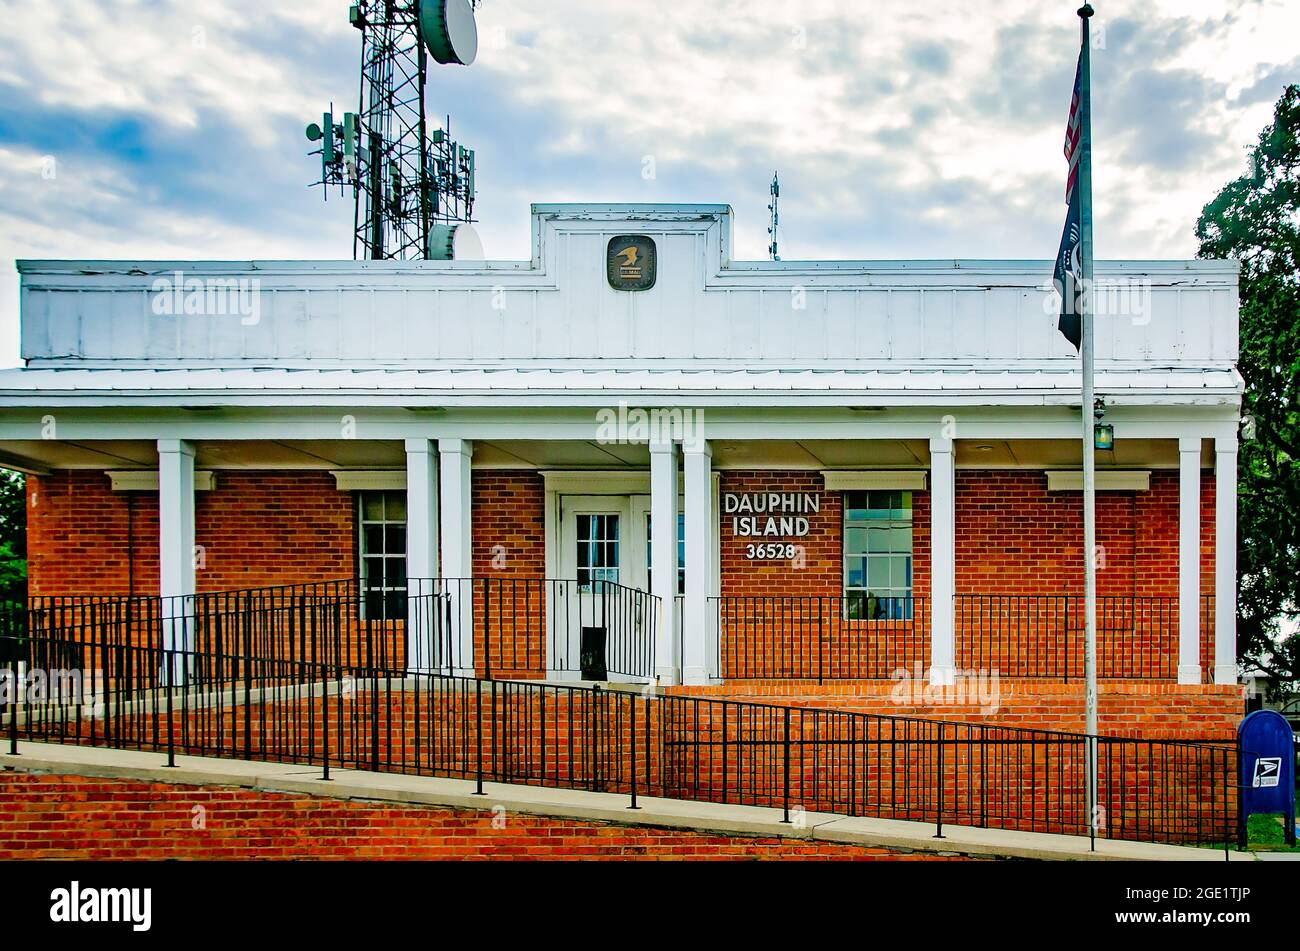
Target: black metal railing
{"points": [[820, 638], [534, 627], [515, 627], [1042, 636], [345, 623], [673, 746]]}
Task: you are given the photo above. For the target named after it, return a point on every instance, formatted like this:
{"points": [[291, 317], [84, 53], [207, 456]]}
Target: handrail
{"points": [[513, 625], [630, 742]]}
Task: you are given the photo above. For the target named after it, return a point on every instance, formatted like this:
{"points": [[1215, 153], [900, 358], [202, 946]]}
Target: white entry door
{"points": [[602, 555]]}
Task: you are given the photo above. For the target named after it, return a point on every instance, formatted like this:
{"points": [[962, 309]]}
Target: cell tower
{"points": [[413, 186], [775, 217]]}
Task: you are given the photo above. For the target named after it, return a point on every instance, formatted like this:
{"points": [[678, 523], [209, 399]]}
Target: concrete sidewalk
{"points": [[602, 807]]}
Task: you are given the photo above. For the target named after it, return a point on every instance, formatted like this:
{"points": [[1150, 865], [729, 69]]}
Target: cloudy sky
{"points": [[173, 128]]}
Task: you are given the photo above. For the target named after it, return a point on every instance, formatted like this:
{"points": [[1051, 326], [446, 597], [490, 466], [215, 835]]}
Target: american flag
{"points": [[1073, 132], [1069, 264]]}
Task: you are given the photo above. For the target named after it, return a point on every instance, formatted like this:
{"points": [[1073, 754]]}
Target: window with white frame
{"points": [[381, 517], [878, 554], [598, 557]]}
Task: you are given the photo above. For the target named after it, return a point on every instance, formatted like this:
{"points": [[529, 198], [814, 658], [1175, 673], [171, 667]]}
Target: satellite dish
{"points": [[455, 242], [449, 30]]}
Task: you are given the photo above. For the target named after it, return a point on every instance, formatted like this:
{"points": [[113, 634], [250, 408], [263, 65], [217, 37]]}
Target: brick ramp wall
{"points": [[708, 751], [77, 817]]}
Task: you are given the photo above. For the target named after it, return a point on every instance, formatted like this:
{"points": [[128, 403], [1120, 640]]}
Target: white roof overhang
{"points": [[559, 387]]}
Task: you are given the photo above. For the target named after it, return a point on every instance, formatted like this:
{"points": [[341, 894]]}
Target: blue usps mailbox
{"points": [[1267, 756]]}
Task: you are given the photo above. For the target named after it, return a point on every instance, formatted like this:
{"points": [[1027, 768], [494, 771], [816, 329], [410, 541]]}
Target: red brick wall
{"points": [[255, 529], [77, 817], [269, 528], [1014, 537], [508, 512], [78, 536], [261, 528]]}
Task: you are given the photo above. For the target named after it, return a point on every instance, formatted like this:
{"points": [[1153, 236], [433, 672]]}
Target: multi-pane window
{"points": [[597, 537], [382, 517], [681, 553], [878, 554]]}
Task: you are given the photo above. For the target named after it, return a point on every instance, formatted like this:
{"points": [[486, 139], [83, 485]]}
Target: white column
{"points": [[176, 552], [697, 624], [454, 457], [421, 554], [663, 528], [1225, 559], [1189, 560], [943, 560]]}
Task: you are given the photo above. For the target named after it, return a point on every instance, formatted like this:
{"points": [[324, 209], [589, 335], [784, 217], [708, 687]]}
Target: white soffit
{"points": [[146, 480], [849, 480], [374, 480], [1071, 480]]}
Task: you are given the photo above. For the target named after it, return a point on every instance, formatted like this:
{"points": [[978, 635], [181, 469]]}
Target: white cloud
{"points": [[901, 129]]}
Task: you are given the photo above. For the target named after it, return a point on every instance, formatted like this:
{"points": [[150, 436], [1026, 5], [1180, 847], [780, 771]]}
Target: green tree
{"points": [[13, 535], [13, 512], [1256, 219]]}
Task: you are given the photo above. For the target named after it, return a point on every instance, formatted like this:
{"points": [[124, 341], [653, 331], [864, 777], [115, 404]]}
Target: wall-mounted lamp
{"points": [[1103, 434]]}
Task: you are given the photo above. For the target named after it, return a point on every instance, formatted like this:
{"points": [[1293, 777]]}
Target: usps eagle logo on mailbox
{"points": [[1267, 771], [631, 262]]}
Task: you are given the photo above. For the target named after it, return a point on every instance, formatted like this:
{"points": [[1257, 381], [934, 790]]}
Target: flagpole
{"points": [[1089, 424]]}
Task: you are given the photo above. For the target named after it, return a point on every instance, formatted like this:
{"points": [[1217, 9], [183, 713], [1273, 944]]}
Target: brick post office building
{"points": [[871, 467]]}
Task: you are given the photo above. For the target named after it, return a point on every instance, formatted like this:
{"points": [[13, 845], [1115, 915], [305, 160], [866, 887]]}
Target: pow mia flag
{"points": [[1069, 258]]}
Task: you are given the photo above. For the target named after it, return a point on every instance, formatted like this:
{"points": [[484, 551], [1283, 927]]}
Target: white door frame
{"points": [[583, 606], [619, 482]]}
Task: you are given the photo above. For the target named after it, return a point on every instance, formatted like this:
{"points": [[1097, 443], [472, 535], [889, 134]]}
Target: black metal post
{"points": [[13, 707], [786, 754], [325, 723], [821, 643], [374, 720], [1091, 766], [478, 709], [938, 773], [594, 738], [1241, 798], [487, 625], [632, 733], [171, 718]]}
